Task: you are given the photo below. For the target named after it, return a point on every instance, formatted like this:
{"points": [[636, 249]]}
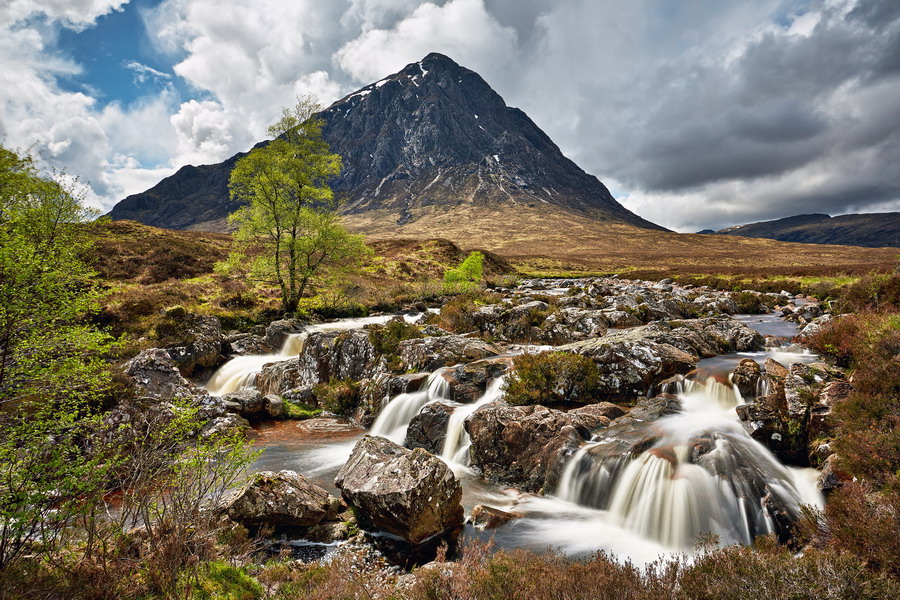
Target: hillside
{"points": [[874, 230], [429, 141]]}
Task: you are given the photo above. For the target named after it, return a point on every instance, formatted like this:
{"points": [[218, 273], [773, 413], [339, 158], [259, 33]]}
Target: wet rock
{"points": [[469, 381], [376, 392], [831, 477], [488, 517], [278, 331], [524, 446], [647, 410], [283, 499], [325, 356], [430, 353], [814, 326], [274, 406], [247, 403], [241, 343], [746, 377], [428, 429], [408, 493], [155, 375], [225, 424], [193, 341]]}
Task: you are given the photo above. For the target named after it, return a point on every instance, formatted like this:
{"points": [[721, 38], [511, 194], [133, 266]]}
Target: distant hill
{"points": [[432, 147], [872, 230]]}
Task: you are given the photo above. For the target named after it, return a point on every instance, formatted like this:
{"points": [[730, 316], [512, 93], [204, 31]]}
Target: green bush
{"points": [[338, 396], [220, 581], [467, 276], [386, 339], [552, 377]]}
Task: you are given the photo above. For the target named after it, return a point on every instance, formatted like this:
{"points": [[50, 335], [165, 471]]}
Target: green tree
{"points": [[289, 207], [50, 357]]}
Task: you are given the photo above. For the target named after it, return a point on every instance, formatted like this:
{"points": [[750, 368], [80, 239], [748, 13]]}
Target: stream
{"points": [[636, 505]]}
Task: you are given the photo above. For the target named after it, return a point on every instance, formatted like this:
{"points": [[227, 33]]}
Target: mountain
{"points": [[873, 230], [430, 147]]}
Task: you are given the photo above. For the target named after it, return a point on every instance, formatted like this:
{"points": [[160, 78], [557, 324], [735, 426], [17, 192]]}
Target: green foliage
{"points": [[749, 303], [290, 209], [552, 377], [218, 580], [467, 276], [386, 339], [299, 410], [47, 349], [338, 396]]}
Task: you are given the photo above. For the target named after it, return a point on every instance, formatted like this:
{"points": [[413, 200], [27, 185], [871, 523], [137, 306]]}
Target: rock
{"points": [[746, 377], [524, 446], [155, 375], [224, 424], [775, 369], [192, 340], [250, 404], [488, 517], [469, 381], [428, 429], [814, 327], [274, 406], [278, 331], [283, 499], [242, 343], [831, 477], [430, 353], [647, 410], [376, 392], [325, 356], [408, 493]]}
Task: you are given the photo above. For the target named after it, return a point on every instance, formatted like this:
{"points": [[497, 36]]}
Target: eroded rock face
{"points": [[524, 446], [469, 381], [325, 356], [428, 429], [283, 499], [408, 493], [278, 331], [430, 353], [746, 377], [155, 375], [193, 341]]}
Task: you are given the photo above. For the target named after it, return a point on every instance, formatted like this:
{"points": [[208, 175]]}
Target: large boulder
{"points": [[155, 375], [430, 353], [278, 332], [251, 404], [746, 376], [428, 429], [193, 341], [325, 356], [524, 446], [469, 381], [408, 493], [283, 499]]}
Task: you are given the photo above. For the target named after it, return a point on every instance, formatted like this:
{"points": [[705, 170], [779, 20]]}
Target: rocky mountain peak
{"points": [[432, 137]]}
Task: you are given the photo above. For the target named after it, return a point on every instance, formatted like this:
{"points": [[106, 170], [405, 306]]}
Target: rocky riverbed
{"points": [[679, 419]]}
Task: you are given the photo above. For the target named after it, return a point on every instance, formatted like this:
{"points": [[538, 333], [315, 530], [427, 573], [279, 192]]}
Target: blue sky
{"points": [[696, 113]]}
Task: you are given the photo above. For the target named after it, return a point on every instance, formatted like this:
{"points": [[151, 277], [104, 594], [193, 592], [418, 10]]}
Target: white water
{"points": [[240, 372], [456, 443], [666, 495], [394, 418]]}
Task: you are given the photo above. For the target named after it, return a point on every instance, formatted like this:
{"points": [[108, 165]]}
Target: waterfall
{"points": [[393, 420], [240, 372], [702, 474], [457, 441]]}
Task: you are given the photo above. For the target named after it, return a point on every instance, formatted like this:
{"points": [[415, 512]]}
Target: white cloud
{"points": [[75, 14], [461, 29]]}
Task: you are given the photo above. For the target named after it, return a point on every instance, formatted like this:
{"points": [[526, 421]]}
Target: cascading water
{"points": [[394, 418], [687, 474], [457, 441], [240, 372]]}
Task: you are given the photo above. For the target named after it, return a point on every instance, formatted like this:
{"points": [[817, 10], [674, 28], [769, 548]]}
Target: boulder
{"points": [[430, 353], [747, 377], [488, 517], [247, 403], [242, 343], [278, 331], [193, 341], [376, 392], [428, 429], [325, 356], [469, 381], [525, 446], [408, 493], [283, 499], [155, 375]]}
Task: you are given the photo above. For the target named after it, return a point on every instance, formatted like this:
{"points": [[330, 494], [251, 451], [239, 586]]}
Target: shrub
{"points": [[219, 581], [338, 396], [873, 292], [749, 303], [467, 276], [552, 377], [386, 339]]}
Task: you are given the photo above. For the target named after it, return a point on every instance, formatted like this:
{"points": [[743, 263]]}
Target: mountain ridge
{"points": [[871, 230], [431, 138]]}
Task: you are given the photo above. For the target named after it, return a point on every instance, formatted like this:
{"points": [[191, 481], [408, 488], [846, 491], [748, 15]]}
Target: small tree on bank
{"points": [[290, 208]]}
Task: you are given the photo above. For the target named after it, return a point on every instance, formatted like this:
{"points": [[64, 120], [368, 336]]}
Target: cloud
{"points": [[144, 73], [74, 14], [462, 29]]}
